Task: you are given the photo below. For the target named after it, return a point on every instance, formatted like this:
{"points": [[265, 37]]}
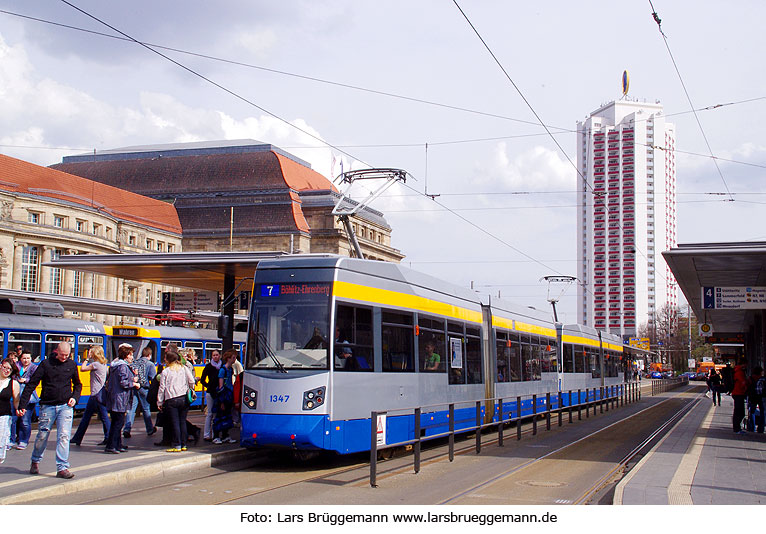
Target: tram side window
{"points": [[84, 344], [545, 349], [579, 357], [473, 357], [432, 345], [211, 347], [595, 364], [503, 352], [353, 339], [515, 358], [551, 354], [568, 358], [52, 341], [30, 342], [397, 342], [537, 355], [526, 359], [456, 358]]}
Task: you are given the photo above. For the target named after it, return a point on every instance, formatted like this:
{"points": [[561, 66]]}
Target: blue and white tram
{"points": [[332, 338]]}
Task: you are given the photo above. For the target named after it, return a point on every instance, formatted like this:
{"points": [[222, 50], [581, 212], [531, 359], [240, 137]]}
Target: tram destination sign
{"points": [[734, 298]]}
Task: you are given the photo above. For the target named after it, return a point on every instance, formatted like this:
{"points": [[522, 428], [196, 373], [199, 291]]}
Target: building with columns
{"points": [[45, 213]]}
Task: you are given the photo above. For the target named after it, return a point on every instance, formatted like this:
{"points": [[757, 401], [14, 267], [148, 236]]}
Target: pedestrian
{"points": [[209, 381], [60, 393], [755, 401], [144, 368], [119, 394], [175, 382], [760, 393], [714, 385], [9, 402], [224, 399], [237, 371], [739, 393], [727, 378], [24, 424], [97, 366]]}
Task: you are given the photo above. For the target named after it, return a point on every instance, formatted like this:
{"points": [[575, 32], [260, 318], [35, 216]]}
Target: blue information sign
{"points": [[270, 290], [708, 298]]}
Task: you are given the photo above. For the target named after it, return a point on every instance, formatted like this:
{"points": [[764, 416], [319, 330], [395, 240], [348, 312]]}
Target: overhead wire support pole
{"points": [[346, 207]]}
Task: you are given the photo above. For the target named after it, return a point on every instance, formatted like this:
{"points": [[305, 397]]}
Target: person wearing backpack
{"points": [[145, 371]]}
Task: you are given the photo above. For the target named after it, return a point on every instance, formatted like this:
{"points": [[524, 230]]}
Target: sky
{"points": [[410, 85]]}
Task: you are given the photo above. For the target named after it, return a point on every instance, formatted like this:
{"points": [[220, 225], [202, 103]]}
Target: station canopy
{"points": [[719, 265], [193, 270]]}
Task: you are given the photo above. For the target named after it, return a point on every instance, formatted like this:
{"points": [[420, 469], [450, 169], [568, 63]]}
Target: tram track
{"points": [[280, 478]]}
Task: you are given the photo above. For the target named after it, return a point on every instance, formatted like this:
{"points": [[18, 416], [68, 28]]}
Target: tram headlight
{"points": [[250, 398], [313, 398]]}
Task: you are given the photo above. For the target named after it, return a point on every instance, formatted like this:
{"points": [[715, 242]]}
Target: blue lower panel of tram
{"points": [[318, 432]]}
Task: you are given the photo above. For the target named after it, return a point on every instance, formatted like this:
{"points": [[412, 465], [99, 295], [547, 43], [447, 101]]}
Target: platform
{"points": [[700, 461], [93, 468]]}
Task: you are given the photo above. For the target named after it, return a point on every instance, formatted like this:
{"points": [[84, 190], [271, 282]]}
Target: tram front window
{"points": [[289, 327]]}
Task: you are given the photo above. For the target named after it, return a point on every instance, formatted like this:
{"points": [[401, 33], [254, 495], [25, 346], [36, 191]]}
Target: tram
{"points": [[330, 339], [40, 334]]}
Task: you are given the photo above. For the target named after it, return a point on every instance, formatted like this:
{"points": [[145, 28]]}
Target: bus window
{"points": [[52, 341], [31, 342]]}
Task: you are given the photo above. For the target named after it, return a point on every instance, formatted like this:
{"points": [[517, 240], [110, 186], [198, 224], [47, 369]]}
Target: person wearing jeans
{"points": [[145, 371], [24, 424], [209, 381], [97, 367], [61, 391]]}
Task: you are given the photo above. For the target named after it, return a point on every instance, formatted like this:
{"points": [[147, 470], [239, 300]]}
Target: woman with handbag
{"points": [[24, 423], [176, 383]]}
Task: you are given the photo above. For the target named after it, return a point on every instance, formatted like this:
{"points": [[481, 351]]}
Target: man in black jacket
{"points": [[61, 391], [210, 383]]}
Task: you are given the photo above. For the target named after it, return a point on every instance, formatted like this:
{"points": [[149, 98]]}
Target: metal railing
{"points": [[666, 384], [599, 398]]}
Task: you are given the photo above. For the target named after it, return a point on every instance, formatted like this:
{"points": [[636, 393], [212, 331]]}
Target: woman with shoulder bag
{"points": [[175, 382], [97, 366]]}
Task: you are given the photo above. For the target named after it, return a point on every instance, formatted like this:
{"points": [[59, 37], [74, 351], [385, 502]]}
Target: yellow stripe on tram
{"points": [[535, 329], [386, 297], [580, 340]]}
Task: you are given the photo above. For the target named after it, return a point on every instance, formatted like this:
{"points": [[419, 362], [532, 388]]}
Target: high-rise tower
{"points": [[626, 215]]}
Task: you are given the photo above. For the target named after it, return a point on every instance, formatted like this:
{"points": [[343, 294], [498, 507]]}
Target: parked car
{"points": [[691, 375], [657, 374], [700, 376]]}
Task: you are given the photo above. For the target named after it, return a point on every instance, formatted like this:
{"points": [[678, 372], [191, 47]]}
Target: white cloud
{"points": [[536, 169]]}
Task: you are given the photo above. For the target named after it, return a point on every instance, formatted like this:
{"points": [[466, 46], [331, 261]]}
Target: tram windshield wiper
{"points": [[261, 337]]}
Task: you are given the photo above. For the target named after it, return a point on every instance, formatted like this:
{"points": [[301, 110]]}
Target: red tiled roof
{"points": [[27, 178]]}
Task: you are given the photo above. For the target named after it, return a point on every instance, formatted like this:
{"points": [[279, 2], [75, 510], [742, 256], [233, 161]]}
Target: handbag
{"points": [[191, 396]]}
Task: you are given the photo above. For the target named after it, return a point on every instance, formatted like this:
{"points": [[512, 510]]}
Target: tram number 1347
{"points": [[279, 398]]}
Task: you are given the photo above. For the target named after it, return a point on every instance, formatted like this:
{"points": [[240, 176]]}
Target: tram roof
{"points": [[733, 264], [195, 270]]}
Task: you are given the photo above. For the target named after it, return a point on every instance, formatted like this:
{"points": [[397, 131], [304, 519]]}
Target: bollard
{"points": [[561, 407], [373, 449], [500, 426], [570, 405], [548, 411], [451, 432], [416, 452], [587, 403], [518, 418], [601, 401], [534, 414]]}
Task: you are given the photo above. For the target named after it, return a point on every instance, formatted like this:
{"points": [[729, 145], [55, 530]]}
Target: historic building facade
{"points": [[239, 195], [46, 213]]}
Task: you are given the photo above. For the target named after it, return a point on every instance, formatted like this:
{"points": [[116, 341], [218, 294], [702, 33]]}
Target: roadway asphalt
{"points": [[94, 469]]}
